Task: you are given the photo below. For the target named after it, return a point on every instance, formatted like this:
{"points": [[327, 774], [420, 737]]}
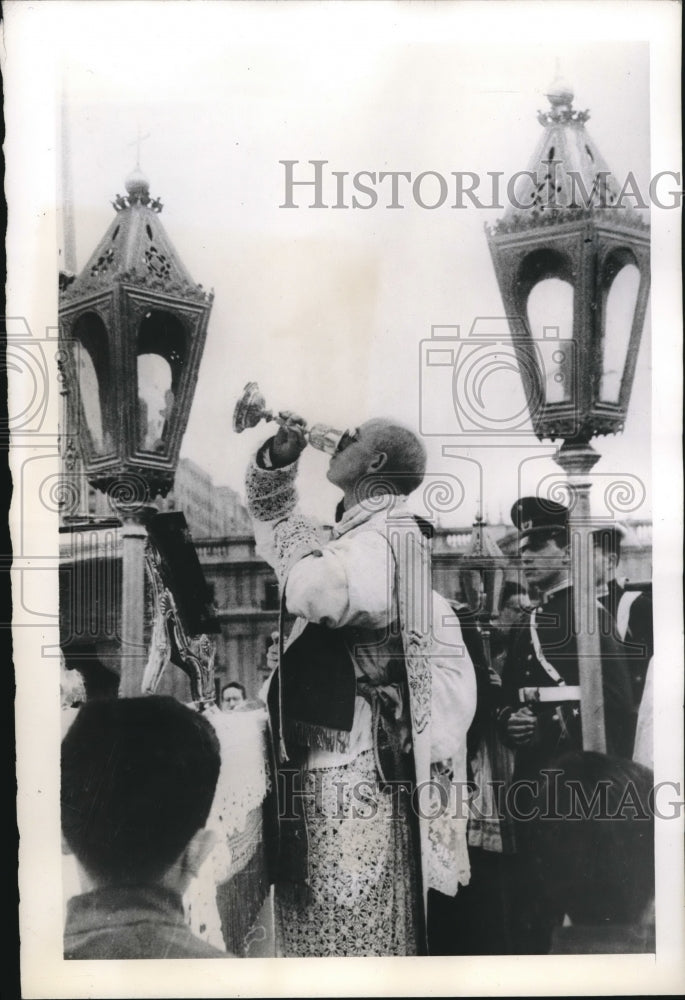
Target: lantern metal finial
{"points": [[137, 184], [559, 92]]}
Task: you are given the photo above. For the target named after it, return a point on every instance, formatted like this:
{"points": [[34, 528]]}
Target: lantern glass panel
{"points": [[472, 589], [91, 358], [90, 398], [550, 318], [161, 355], [155, 401], [620, 306]]}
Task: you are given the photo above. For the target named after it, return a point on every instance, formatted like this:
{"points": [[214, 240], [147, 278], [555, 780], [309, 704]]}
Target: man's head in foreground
{"points": [[138, 780]]}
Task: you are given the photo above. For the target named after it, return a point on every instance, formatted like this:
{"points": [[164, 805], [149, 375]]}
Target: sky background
{"points": [[327, 309]]}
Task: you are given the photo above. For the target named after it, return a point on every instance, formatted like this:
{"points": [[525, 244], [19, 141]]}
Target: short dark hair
{"points": [[234, 684], [405, 466], [609, 540], [138, 780]]}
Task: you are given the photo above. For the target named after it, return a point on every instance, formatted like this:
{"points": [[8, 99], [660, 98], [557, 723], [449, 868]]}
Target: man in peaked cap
{"points": [[531, 514], [543, 653], [540, 522], [539, 715]]}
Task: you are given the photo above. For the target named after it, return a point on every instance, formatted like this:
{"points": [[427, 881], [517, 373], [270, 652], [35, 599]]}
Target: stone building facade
{"points": [[211, 511], [245, 594]]}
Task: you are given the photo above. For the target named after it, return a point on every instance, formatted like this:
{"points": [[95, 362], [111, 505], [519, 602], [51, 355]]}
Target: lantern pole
{"points": [[577, 460], [133, 650]]}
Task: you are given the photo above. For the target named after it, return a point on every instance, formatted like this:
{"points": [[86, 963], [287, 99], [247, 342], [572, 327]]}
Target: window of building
{"points": [[272, 597]]}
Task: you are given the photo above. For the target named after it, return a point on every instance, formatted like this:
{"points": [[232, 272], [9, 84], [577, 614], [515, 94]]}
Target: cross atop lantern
{"points": [[133, 324], [572, 265]]}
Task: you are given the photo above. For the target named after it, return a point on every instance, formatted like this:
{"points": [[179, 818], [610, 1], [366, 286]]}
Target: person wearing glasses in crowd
{"points": [[369, 700]]}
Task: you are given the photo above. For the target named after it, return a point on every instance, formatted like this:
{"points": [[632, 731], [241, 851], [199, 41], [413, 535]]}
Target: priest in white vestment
{"points": [[370, 704]]}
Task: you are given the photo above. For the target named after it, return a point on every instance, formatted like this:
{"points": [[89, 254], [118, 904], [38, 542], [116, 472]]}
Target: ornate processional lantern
{"points": [[482, 570], [133, 325], [132, 331], [482, 573], [572, 264]]}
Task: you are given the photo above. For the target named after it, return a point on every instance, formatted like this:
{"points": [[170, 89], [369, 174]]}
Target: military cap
{"points": [[531, 514]]}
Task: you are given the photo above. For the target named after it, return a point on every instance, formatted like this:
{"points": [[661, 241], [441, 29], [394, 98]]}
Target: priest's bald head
{"points": [[379, 455]]}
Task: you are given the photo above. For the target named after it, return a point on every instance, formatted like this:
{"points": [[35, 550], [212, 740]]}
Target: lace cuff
{"points": [[294, 537], [270, 493]]}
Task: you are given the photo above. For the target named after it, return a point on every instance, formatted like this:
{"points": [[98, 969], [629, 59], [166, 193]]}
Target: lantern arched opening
{"points": [[620, 287], [90, 347], [545, 294], [161, 355]]}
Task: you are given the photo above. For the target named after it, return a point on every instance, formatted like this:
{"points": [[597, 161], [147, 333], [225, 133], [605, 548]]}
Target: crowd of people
{"points": [[427, 762], [528, 727]]}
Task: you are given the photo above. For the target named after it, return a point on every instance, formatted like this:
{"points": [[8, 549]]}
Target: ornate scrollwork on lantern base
{"points": [[129, 487], [194, 654], [570, 428]]}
